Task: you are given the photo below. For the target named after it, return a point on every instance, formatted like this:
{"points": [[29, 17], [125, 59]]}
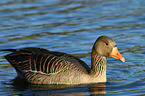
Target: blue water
{"points": [[72, 26]]}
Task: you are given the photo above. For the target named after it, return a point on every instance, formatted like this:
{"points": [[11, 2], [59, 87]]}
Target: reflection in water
{"points": [[69, 90], [97, 89]]}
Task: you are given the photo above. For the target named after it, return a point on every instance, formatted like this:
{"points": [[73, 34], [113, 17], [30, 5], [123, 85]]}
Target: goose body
{"points": [[41, 66]]}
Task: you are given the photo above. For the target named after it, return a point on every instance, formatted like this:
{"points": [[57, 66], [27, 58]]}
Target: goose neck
{"points": [[98, 65]]}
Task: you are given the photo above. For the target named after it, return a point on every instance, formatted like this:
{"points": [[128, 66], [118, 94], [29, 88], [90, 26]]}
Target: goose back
{"points": [[31, 63]]}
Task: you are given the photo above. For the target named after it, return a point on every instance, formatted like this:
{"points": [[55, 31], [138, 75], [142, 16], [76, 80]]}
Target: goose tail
{"points": [[11, 50]]}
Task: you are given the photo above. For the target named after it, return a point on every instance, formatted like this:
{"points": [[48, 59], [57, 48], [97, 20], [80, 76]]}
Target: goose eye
{"points": [[107, 44]]}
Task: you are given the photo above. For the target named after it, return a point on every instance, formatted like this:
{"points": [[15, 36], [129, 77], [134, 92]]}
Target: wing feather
{"points": [[33, 62]]}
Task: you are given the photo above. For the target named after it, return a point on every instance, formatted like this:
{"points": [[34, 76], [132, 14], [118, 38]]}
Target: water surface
{"points": [[72, 26]]}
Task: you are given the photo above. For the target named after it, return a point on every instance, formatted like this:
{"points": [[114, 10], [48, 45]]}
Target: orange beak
{"points": [[116, 55]]}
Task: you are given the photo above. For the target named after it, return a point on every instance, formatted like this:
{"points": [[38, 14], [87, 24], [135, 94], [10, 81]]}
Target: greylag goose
{"points": [[41, 66]]}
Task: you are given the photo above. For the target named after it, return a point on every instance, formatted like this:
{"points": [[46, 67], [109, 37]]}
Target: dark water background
{"points": [[72, 26]]}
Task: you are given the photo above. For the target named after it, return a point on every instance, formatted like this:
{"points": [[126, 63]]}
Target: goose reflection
{"points": [[97, 89]]}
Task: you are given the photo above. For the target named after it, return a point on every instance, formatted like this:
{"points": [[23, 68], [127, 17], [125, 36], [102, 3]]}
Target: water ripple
{"points": [[72, 26]]}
